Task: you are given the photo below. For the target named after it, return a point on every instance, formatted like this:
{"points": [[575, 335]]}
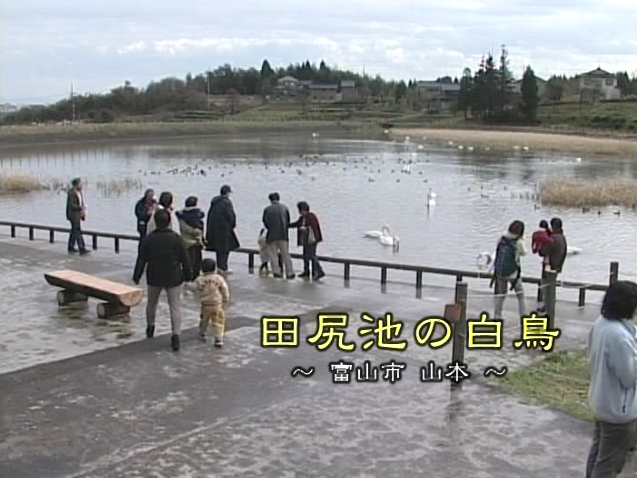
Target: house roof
{"points": [[442, 86], [323, 87], [288, 79], [598, 73], [348, 84]]}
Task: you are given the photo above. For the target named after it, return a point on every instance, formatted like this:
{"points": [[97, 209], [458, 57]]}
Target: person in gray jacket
{"points": [[276, 219], [612, 360]]}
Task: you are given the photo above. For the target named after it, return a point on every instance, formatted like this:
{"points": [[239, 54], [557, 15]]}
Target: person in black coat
{"points": [[164, 253], [143, 211], [220, 236]]}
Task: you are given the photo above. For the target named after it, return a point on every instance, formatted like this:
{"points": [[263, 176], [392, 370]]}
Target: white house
{"points": [[598, 84]]}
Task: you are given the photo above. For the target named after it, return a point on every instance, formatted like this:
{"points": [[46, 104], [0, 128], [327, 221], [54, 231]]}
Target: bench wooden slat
{"points": [[92, 286]]}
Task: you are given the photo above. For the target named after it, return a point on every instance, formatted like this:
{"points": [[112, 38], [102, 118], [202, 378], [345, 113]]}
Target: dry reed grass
{"points": [[20, 184], [571, 193], [118, 186]]}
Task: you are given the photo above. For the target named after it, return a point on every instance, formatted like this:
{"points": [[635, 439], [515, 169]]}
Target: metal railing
{"points": [[347, 263]]}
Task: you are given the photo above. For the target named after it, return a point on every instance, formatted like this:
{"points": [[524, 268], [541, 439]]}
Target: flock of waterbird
{"points": [[384, 235]]}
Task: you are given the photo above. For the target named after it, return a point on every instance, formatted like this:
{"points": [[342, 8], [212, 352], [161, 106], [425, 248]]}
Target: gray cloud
{"points": [[46, 45]]}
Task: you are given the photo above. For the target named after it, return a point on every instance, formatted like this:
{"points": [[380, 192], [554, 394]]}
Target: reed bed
{"points": [[20, 184], [118, 186], [571, 193]]}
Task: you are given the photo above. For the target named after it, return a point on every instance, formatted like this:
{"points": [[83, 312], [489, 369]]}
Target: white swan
{"points": [[386, 239], [421, 147], [431, 198], [377, 234], [573, 250]]}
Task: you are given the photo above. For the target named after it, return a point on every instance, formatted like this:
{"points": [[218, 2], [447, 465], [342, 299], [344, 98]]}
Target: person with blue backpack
{"points": [[506, 268]]}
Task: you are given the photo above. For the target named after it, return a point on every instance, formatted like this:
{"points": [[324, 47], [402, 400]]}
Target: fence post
{"points": [[51, 236], [549, 296], [418, 280], [458, 315], [117, 245], [30, 233], [614, 273], [94, 241], [582, 297], [346, 271], [12, 231], [383, 275], [251, 263], [540, 291]]}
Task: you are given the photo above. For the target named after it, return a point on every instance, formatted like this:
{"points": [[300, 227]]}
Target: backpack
{"points": [[505, 263]]}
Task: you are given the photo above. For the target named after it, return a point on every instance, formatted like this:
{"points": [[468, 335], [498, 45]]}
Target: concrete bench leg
{"points": [[68, 297], [107, 310]]}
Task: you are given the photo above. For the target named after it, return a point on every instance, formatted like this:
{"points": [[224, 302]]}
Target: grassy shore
{"points": [[498, 140], [572, 193], [560, 381]]}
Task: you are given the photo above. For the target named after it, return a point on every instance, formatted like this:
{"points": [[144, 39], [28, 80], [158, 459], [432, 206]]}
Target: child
{"points": [[213, 295], [263, 253], [540, 241], [191, 228]]}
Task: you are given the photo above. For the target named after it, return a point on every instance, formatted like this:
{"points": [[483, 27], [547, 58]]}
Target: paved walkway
{"points": [[89, 398]]}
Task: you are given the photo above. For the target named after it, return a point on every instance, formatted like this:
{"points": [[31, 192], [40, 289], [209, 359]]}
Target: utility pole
{"points": [[209, 98], [72, 105]]}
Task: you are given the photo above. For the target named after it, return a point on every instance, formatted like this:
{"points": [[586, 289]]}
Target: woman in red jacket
{"points": [[309, 235]]}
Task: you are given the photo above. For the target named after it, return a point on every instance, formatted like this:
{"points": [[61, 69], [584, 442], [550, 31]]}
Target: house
{"points": [[598, 85], [287, 86], [437, 96], [348, 90], [325, 92]]}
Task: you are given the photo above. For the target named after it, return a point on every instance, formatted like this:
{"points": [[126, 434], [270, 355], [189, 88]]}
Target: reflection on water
{"points": [[354, 186]]}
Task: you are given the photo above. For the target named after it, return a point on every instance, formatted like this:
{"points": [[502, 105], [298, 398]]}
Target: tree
{"points": [[530, 97], [466, 91], [555, 87], [401, 91], [506, 82], [266, 70], [624, 84]]}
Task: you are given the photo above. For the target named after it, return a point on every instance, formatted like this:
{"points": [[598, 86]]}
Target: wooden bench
{"points": [[78, 287]]}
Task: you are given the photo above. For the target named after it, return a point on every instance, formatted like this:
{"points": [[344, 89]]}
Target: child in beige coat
{"points": [[213, 295]]}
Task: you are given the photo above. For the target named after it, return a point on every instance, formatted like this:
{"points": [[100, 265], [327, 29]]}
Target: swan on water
{"points": [[420, 146], [431, 198], [386, 131], [470, 148], [386, 239], [460, 147], [578, 160], [315, 135], [526, 148], [376, 234]]}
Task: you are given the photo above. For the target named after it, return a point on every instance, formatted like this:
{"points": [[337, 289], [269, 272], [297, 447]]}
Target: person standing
{"points": [[213, 296], [276, 218], [220, 235], [612, 361], [165, 202], [191, 228], [144, 209], [76, 213], [557, 247], [309, 235], [164, 253], [507, 269]]}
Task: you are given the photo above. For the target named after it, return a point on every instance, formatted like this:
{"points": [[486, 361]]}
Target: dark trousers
{"points": [[142, 227], [76, 236], [222, 260], [611, 443], [194, 254], [309, 257]]}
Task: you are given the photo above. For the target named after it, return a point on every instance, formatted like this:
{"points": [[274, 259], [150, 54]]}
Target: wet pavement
{"points": [[83, 397]]}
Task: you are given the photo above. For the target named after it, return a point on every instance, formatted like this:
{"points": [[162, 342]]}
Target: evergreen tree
{"points": [[530, 97], [401, 91], [266, 70], [506, 83]]}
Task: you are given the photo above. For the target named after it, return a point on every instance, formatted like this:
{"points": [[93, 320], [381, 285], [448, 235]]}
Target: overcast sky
{"points": [[98, 44]]}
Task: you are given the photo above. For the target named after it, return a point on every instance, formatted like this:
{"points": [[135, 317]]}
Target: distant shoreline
{"points": [[27, 136], [499, 140]]}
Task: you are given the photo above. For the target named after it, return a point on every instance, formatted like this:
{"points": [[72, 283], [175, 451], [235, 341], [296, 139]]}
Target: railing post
{"points": [[30, 233], [94, 241], [540, 291], [251, 263], [549, 297], [117, 245], [12, 231], [457, 314], [581, 301], [383, 275], [346, 271], [51, 236], [418, 279], [614, 273]]}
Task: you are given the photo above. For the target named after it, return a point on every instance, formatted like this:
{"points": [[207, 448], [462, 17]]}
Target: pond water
{"points": [[353, 186]]}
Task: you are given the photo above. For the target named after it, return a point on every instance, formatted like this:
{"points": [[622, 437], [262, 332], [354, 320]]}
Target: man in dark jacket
{"points": [[556, 249], [76, 213], [276, 218], [168, 265], [220, 236]]}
